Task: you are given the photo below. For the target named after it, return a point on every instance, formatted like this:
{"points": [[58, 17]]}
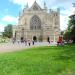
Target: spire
{"points": [[45, 5], [35, 1], [27, 5], [19, 13], [58, 10]]}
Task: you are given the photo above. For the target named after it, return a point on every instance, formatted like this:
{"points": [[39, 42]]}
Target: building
{"points": [[38, 24]]}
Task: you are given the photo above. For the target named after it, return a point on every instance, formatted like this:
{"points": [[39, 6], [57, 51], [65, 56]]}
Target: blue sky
{"points": [[9, 10]]}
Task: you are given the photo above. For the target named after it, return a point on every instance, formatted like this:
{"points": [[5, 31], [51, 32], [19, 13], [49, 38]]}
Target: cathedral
{"points": [[38, 24]]}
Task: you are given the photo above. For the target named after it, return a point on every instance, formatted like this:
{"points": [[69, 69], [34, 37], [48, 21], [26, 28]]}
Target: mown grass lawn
{"points": [[39, 61]]}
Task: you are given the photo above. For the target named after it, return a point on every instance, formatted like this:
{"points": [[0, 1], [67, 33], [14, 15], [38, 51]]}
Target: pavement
{"points": [[10, 47]]}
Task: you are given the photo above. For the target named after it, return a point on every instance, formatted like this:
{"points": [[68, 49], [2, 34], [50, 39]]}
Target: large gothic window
{"points": [[35, 23]]}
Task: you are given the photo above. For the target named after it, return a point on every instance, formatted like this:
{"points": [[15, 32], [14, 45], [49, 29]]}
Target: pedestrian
{"points": [[33, 42], [14, 40], [29, 42], [49, 42], [25, 42], [18, 41]]}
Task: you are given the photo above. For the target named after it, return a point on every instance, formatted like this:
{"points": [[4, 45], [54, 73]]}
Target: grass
{"points": [[39, 61]]}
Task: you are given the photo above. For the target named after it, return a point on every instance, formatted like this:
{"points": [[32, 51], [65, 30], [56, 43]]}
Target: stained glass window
{"points": [[35, 23]]}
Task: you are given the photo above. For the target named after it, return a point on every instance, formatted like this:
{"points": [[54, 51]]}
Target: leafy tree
{"points": [[8, 31], [72, 27], [67, 35], [70, 33]]}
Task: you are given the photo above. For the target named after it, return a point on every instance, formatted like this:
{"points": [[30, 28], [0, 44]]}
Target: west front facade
{"points": [[38, 24]]}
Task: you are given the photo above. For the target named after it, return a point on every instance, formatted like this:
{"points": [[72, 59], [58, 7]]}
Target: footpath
{"points": [[10, 47]]}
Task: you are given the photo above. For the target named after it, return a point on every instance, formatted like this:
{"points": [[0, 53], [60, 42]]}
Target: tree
{"points": [[72, 27], [70, 33], [8, 31], [67, 35]]}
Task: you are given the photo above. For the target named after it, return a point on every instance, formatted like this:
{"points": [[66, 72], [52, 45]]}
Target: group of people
{"points": [[27, 42], [60, 41]]}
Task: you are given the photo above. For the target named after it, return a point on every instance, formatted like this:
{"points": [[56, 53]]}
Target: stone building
{"points": [[38, 24]]}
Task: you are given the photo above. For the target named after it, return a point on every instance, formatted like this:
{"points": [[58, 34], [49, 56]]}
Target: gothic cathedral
{"points": [[38, 24]]}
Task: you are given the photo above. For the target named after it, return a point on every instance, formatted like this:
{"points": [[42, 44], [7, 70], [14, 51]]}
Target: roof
{"points": [[35, 7]]}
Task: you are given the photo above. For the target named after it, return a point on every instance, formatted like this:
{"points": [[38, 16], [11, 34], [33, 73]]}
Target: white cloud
{"points": [[66, 4], [72, 10], [10, 19], [63, 22], [64, 17], [23, 2], [2, 27]]}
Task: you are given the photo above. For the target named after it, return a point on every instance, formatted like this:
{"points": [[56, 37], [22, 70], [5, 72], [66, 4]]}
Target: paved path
{"points": [[10, 47]]}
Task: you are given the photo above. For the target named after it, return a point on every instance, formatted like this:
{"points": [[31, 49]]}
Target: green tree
{"points": [[67, 35], [70, 32], [8, 31]]}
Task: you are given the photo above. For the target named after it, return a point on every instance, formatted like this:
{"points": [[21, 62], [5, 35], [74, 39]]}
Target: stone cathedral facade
{"points": [[38, 24]]}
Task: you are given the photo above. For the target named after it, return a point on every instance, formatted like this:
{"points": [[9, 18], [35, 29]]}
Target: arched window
{"points": [[35, 23]]}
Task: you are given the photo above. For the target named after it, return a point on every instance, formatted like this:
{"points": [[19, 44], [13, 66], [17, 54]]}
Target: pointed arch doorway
{"points": [[35, 38]]}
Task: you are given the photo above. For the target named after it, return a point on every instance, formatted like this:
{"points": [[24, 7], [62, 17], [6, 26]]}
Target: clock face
{"points": [[35, 8]]}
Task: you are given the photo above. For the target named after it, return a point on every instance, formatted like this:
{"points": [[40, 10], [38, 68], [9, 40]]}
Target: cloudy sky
{"points": [[9, 10]]}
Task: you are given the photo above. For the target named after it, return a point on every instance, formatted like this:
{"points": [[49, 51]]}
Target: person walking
{"points": [[29, 42], [25, 42], [33, 42]]}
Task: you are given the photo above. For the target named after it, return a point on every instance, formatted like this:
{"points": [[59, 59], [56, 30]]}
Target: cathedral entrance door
{"points": [[22, 39], [35, 38]]}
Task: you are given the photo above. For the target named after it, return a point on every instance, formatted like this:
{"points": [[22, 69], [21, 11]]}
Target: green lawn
{"points": [[39, 61]]}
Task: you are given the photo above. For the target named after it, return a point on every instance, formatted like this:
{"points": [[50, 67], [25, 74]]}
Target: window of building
{"points": [[35, 23]]}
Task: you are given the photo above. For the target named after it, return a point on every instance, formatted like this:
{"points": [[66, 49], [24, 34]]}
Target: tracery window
{"points": [[35, 23]]}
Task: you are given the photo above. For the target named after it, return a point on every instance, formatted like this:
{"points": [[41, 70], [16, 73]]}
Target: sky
{"points": [[9, 10]]}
